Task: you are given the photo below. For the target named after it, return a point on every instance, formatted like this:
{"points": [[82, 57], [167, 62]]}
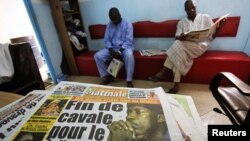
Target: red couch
{"points": [[203, 69]]}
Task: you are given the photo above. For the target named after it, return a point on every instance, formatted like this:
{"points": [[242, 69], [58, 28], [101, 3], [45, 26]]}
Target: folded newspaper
{"points": [[114, 67], [202, 35], [86, 112], [15, 114], [152, 52]]}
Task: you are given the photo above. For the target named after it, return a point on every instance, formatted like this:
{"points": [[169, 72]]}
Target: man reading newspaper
{"points": [[182, 52]]}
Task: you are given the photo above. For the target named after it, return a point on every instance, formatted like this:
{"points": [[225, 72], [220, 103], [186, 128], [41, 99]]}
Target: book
{"points": [[202, 35], [114, 67]]}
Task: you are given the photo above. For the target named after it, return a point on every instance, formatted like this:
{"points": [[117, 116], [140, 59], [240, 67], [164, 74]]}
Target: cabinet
{"points": [[69, 25]]}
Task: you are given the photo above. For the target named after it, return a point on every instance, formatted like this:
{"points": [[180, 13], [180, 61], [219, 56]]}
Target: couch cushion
{"points": [[202, 71], [97, 31], [155, 29], [212, 62]]}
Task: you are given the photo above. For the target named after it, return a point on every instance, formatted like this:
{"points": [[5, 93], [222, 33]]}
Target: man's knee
{"points": [[97, 56]]}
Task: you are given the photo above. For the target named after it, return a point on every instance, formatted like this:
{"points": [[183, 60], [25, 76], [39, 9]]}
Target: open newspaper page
{"points": [[152, 52], [102, 113], [187, 117], [15, 114], [202, 35]]}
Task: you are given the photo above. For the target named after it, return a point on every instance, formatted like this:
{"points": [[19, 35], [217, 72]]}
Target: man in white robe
{"points": [[182, 52]]}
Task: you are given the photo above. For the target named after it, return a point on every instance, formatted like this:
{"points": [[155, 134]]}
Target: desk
{"points": [[6, 98]]}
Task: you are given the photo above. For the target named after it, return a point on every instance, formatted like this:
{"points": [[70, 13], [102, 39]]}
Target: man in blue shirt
{"points": [[118, 41]]}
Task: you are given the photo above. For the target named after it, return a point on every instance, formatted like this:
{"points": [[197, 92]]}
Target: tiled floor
{"points": [[201, 95]]}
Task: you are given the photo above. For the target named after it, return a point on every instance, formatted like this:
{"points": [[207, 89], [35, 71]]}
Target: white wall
{"points": [[14, 21], [96, 12]]}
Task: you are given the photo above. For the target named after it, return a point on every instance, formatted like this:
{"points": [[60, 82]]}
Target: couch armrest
{"points": [[234, 80]]}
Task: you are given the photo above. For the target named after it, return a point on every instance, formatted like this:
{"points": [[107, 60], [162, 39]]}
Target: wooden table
{"points": [[7, 97]]}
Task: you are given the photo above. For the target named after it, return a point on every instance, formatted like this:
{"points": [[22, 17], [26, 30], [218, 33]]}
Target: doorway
{"points": [[40, 41], [15, 22]]}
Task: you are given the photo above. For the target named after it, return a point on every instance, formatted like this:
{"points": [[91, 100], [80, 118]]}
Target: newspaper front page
{"points": [[103, 113], [15, 114]]}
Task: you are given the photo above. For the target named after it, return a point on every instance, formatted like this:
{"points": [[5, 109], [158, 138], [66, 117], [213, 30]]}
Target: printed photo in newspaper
{"points": [[69, 89], [37, 126]]}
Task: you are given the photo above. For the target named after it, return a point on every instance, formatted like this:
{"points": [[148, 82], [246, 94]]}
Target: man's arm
{"points": [[128, 41], [219, 27], [107, 37]]}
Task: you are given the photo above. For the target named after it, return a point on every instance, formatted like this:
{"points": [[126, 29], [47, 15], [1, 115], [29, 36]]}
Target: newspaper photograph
{"points": [[15, 114], [102, 113], [69, 89]]}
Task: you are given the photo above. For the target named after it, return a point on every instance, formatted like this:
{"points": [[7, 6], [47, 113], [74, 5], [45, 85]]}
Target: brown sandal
{"points": [[154, 78], [173, 91], [108, 79]]}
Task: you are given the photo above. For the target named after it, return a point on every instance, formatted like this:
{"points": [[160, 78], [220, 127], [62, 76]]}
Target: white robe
{"points": [[6, 64], [182, 53]]}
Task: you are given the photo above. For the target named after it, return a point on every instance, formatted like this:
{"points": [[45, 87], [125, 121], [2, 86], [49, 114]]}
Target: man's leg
{"points": [[101, 57], [177, 79], [161, 74], [129, 61], [176, 74]]}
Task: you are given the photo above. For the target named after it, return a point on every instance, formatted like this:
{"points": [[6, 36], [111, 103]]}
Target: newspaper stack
{"points": [[152, 52], [86, 112]]}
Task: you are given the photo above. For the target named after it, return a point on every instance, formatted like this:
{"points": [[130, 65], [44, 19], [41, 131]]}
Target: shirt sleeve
{"points": [[107, 37], [128, 41], [179, 27]]}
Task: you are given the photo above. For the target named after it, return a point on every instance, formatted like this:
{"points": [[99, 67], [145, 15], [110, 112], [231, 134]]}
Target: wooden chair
{"points": [[233, 95]]}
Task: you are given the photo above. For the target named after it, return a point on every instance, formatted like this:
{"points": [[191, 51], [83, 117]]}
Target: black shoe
{"points": [[130, 84], [107, 79]]}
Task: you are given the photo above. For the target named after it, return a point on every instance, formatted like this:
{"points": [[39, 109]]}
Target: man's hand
{"points": [[182, 37], [120, 131], [115, 54], [219, 26], [222, 23]]}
